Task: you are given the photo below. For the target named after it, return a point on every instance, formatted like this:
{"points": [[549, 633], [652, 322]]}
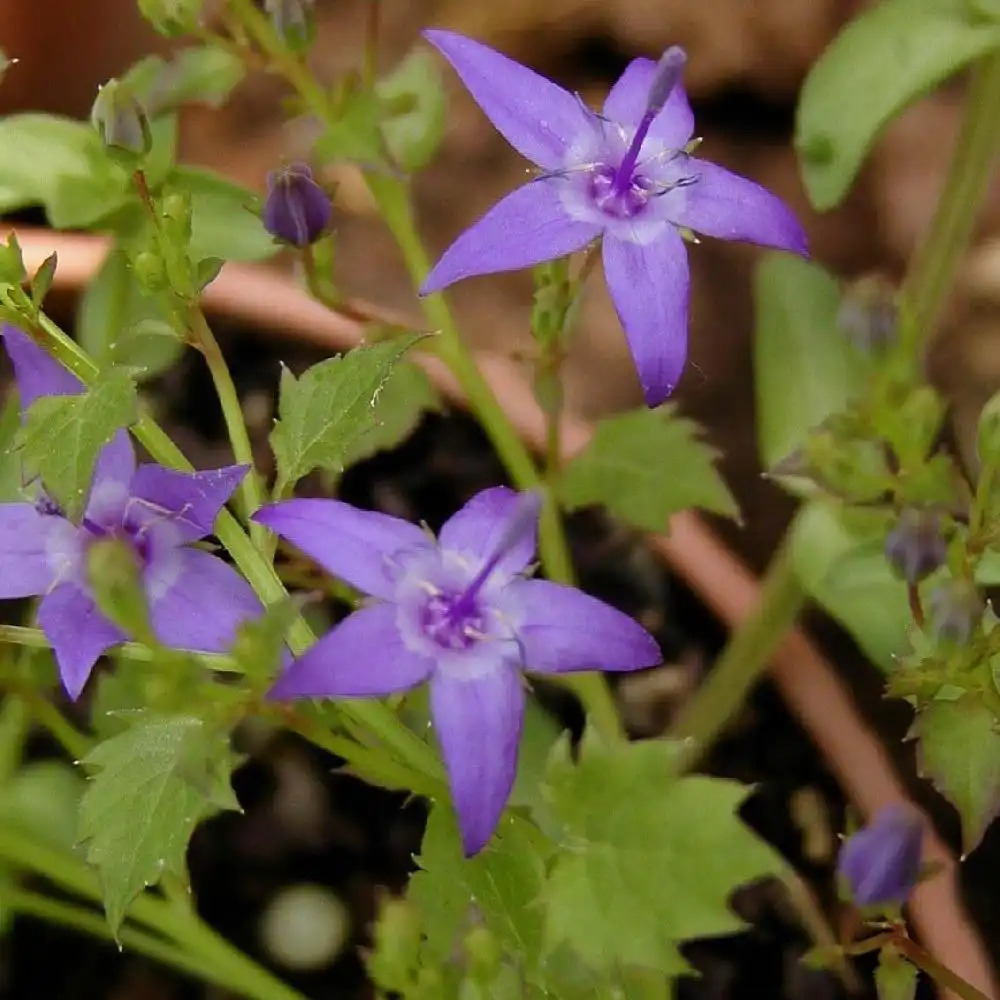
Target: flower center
{"points": [[137, 539], [617, 195], [452, 621]]}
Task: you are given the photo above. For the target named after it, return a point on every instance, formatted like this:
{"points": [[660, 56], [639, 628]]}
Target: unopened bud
{"points": [[293, 20], [956, 608], [121, 120], [668, 73], [296, 210], [869, 313], [916, 545], [881, 862], [115, 577]]}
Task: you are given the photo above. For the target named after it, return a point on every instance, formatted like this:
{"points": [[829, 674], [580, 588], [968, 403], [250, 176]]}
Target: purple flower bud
{"points": [[881, 862], [916, 546], [869, 313], [955, 610], [669, 71], [297, 210]]}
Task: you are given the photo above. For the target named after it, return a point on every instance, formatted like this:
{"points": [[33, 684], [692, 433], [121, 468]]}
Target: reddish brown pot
{"points": [[65, 49], [271, 303]]}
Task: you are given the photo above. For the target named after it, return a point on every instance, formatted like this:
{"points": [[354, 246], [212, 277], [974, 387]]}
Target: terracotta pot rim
{"points": [[271, 302]]}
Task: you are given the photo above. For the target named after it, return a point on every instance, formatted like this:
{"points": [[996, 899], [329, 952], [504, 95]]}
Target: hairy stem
{"points": [[932, 270], [250, 491], [235, 970], [744, 659]]}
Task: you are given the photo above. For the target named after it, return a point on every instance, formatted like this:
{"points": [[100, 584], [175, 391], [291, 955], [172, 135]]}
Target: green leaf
{"points": [[42, 799], [330, 406], [200, 74], [654, 857], [224, 220], [61, 165], [805, 368], [118, 324], [82, 425], [644, 466], [503, 882], [155, 782], [842, 567], [399, 408], [414, 131], [895, 977], [959, 751], [355, 135], [887, 57]]}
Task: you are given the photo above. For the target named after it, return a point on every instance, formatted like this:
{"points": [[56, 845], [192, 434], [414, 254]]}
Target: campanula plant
{"points": [[554, 865]]}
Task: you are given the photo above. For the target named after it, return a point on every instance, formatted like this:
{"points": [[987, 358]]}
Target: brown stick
{"points": [[270, 302]]}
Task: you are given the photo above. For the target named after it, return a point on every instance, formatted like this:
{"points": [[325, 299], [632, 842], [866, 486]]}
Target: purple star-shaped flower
{"points": [[460, 613], [625, 174], [196, 601]]}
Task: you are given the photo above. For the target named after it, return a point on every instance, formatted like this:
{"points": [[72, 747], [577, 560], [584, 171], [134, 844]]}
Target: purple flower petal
{"points": [[527, 227], [188, 502], [563, 629], [196, 601], [629, 98], [109, 489], [649, 285], [79, 634], [481, 525], [33, 549], [478, 721], [731, 207], [536, 116], [362, 657], [36, 371], [355, 545]]}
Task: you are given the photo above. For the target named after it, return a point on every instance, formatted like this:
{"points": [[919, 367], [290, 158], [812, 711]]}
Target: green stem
{"points": [[81, 918], [744, 659], [932, 270], [927, 283], [237, 971], [373, 716], [393, 199], [941, 974], [250, 491]]}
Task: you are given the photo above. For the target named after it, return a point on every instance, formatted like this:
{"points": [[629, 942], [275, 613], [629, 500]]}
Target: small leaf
{"points": [[202, 74], [224, 222], [895, 977], [842, 566], [42, 799], [399, 408], [155, 782], [355, 133], [11, 485], [645, 466], [959, 751], [503, 883], [887, 57], [413, 97], [646, 871], [805, 368], [82, 425], [61, 165], [41, 281], [324, 411]]}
